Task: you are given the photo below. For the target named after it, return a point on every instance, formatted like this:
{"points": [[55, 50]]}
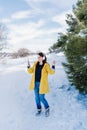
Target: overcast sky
{"points": [[34, 24]]}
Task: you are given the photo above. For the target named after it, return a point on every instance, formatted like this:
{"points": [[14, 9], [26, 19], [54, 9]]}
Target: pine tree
{"points": [[74, 45]]}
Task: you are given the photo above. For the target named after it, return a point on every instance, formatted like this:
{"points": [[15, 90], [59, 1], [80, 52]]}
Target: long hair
{"points": [[45, 60]]}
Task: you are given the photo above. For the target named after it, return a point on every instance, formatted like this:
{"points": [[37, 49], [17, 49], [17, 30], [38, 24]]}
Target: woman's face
{"points": [[40, 58]]}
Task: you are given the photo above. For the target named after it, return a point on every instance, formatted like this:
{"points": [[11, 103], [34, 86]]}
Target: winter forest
{"points": [[68, 86]]}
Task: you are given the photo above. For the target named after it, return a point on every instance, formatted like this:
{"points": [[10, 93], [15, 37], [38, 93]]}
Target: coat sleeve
{"points": [[49, 70], [31, 69]]}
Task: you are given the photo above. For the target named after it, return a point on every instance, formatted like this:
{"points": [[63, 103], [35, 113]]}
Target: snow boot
{"points": [[47, 112], [38, 112]]}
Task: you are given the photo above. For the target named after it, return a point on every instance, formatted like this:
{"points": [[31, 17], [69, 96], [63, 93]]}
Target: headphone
{"points": [[43, 57]]}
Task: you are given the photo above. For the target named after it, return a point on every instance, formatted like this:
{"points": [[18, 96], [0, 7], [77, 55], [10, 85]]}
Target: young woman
{"points": [[39, 82]]}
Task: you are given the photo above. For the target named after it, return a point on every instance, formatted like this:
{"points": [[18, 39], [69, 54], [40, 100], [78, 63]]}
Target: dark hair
{"points": [[43, 55]]}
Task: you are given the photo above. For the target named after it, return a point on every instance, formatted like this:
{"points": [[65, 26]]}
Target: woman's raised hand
{"points": [[54, 62], [28, 63]]}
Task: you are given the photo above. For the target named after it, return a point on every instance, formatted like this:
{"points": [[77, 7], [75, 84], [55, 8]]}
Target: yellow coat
{"points": [[44, 86]]}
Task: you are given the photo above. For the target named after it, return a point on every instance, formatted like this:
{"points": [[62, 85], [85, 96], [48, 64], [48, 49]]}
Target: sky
{"points": [[34, 24]]}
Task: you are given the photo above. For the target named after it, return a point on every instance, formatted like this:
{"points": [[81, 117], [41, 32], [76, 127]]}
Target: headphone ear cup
{"points": [[43, 57]]}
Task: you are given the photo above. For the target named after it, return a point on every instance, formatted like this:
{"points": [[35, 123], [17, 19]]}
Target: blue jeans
{"points": [[40, 97]]}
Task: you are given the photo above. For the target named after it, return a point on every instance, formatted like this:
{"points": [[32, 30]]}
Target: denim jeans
{"points": [[40, 97]]}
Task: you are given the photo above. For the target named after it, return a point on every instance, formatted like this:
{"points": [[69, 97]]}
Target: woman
{"points": [[39, 82]]}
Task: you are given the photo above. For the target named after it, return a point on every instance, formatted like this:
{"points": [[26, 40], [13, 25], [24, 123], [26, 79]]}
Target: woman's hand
{"points": [[28, 64], [54, 62]]}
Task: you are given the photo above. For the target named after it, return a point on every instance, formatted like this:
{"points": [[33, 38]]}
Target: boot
{"points": [[47, 112], [38, 112]]}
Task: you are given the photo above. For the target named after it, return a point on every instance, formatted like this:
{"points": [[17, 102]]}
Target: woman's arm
{"points": [[49, 69], [31, 69]]}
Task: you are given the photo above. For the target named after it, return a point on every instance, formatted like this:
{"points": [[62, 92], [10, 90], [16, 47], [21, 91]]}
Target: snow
{"points": [[68, 109]]}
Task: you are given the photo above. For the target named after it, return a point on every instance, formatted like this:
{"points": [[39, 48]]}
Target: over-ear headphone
{"points": [[43, 57]]}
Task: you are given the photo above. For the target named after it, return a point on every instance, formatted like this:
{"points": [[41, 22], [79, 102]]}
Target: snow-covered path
{"points": [[17, 105]]}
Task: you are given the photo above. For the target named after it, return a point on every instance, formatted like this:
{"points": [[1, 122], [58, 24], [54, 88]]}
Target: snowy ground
{"points": [[17, 105]]}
